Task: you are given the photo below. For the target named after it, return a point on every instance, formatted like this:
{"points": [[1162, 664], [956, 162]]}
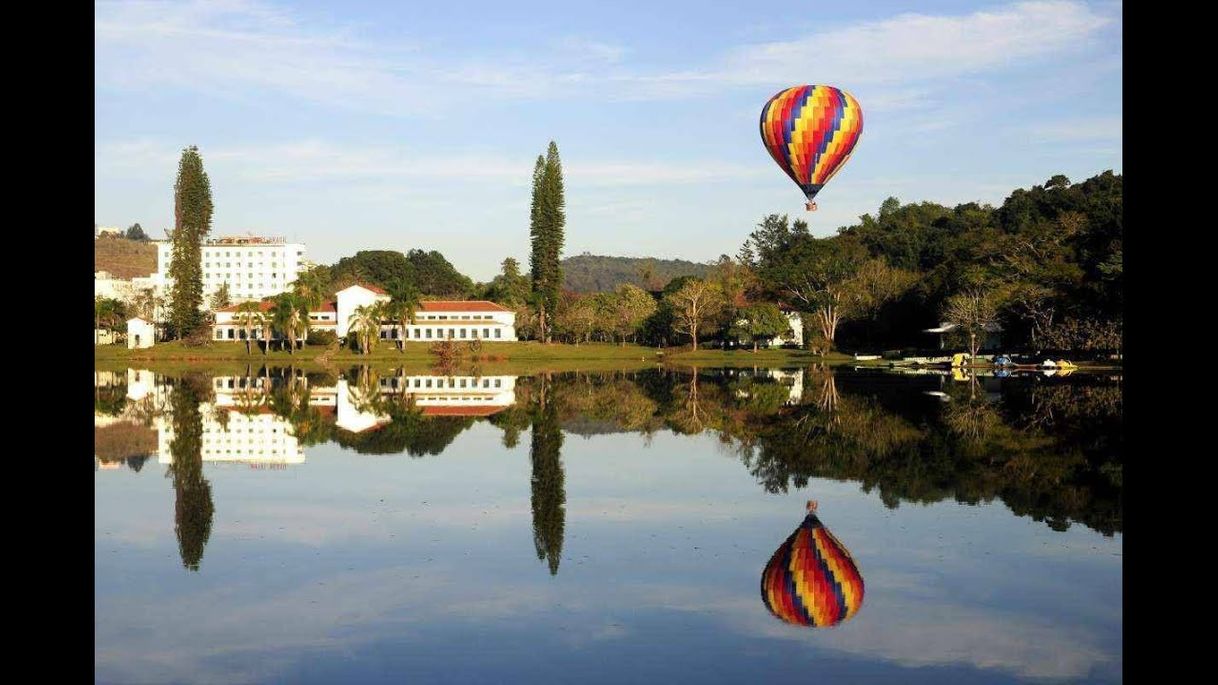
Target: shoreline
{"points": [[519, 357]]}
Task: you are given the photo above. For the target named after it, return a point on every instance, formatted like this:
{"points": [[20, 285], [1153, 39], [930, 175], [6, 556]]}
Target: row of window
{"points": [[250, 265], [452, 383], [445, 317], [237, 276], [453, 333], [238, 333]]}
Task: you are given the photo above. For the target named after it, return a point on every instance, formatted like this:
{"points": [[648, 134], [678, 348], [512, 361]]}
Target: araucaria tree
{"points": [[547, 218], [192, 208]]}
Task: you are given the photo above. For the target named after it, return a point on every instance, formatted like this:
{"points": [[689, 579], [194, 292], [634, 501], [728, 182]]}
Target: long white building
{"points": [[434, 319], [253, 267]]}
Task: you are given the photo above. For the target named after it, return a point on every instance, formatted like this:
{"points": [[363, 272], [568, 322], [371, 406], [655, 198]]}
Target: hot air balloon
{"points": [[811, 131], [812, 580]]}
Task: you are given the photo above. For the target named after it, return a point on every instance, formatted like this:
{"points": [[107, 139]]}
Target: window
{"points": [[463, 334], [416, 334], [486, 332], [498, 382], [428, 333], [452, 333], [497, 333], [219, 334]]}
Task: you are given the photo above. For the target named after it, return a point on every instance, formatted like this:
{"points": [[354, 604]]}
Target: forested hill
{"points": [[587, 273]]}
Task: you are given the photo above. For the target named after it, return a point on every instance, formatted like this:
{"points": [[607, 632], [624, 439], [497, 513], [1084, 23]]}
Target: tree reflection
{"points": [[548, 480], [193, 507]]}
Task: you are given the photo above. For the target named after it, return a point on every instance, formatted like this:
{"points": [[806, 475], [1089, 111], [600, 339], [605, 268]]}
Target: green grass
{"points": [[504, 357]]}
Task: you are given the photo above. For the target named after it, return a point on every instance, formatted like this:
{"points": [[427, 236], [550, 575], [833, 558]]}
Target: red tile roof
{"points": [[264, 305], [485, 410], [461, 306]]}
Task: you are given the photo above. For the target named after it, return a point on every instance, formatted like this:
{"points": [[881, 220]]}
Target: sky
{"points": [[411, 125]]}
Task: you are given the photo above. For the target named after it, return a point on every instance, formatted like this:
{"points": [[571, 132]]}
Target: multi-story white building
{"points": [[252, 267]]}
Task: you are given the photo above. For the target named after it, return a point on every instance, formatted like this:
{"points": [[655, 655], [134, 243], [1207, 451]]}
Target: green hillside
{"points": [[587, 273], [124, 258]]}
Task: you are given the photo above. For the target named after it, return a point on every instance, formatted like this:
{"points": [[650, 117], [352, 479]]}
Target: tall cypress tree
{"points": [[546, 223], [192, 209]]}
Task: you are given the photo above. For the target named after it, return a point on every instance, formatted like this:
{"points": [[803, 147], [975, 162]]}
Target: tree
{"points": [[693, 306], [221, 298], [366, 323], [812, 273], [192, 222], [310, 286], [289, 314], [974, 311], [548, 480], [546, 223], [576, 316], [249, 317], [108, 312], [631, 306], [193, 506], [510, 288], [135, 232], [760, 322], [400, 312]]}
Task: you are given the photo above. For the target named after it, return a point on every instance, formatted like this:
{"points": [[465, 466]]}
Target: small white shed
{"points": [[140, 334]]}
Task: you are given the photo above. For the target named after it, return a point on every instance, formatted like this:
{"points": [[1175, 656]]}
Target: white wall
{"points": [[348, 299], [144, 331]]}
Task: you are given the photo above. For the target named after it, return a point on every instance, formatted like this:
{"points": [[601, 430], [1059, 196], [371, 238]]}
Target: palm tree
{"points": [[366, 322], [400, 312], [106, 311], [288, 318], [268, 324], [309, 287], [249, 316]]}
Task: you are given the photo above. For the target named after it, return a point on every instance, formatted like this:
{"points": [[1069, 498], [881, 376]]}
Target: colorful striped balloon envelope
{"points": [[810, 131], [812, 580]]}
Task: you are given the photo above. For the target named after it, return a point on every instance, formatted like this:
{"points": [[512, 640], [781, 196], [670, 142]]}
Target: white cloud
{"points": [[918, 47], [229, 48]]}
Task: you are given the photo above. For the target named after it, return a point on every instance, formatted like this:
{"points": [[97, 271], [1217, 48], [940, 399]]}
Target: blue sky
{"points": [[386, 125]]}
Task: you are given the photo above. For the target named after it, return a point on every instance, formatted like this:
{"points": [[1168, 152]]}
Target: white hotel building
{"points": [[252, 267]]}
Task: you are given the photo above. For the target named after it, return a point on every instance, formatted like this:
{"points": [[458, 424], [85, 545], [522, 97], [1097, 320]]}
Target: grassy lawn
{"points": [[503, 357]]}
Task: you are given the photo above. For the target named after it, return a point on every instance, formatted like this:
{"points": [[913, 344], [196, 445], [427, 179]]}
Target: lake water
{"points": [[378, 527]]}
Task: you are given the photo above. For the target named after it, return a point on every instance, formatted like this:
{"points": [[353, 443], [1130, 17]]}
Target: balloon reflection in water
{"points": [[812, 580]]}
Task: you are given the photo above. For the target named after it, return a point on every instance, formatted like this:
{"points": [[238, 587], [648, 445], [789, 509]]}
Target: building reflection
{"points": [[252, 419]]}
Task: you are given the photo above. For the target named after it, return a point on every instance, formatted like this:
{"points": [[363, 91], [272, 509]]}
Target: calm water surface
{"points": [[373, 527]]}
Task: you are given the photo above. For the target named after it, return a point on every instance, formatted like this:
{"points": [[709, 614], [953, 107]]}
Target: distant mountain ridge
{"points": [[589, 273]]}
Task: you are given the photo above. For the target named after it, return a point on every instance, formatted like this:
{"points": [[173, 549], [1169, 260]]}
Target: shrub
{"points": [[323, 338], [199, 337]]}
